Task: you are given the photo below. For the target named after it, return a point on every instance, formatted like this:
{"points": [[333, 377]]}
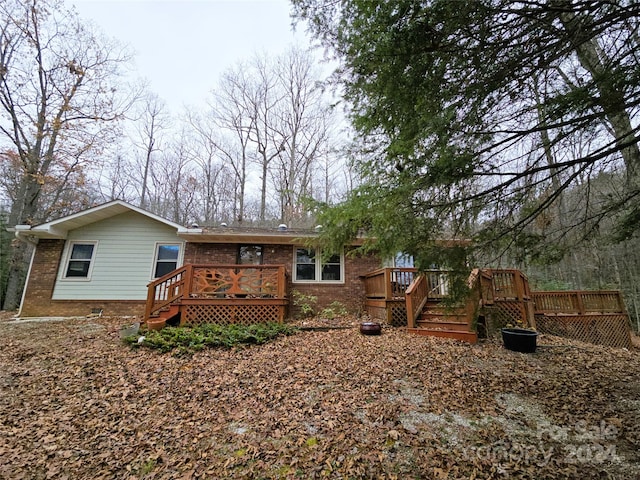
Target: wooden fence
{"points": [[597, 317]]}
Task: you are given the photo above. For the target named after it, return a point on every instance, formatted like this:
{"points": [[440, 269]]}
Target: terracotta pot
{"points": [[156, 324], [370, 328]]}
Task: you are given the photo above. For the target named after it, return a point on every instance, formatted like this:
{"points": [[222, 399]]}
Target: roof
{"points": [[252, 235], [60, 227]]}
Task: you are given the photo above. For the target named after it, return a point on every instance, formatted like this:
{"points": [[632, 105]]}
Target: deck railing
{"points": [[388, 283], [166, 290], [398, 286], [509, 284], [416, 298], [216, 282], [575, 302]]}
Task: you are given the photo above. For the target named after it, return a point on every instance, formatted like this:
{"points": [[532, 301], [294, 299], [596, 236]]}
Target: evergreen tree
{"points": [[475, 117]]}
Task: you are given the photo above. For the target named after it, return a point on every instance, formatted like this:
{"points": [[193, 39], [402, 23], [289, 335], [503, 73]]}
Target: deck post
{"points": [[580, 303], [281, 282], [151, 293], [621, 305], [187, 281], [388, 294]]}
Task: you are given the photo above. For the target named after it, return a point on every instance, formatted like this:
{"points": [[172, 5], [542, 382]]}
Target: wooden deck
{"points": [[598, 317], [498, 297], [385, 293], [248, 294], [403, 297], [221, 294]]}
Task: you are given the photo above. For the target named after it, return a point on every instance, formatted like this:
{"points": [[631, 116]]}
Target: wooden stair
{"points": [[170, 314], [437, 320]]}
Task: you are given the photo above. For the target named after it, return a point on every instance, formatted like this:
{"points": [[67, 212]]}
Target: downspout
{"points": [[21, 235]]}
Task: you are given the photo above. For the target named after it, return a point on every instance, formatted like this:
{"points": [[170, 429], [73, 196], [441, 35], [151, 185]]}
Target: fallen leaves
{"points": [[75, 401]]}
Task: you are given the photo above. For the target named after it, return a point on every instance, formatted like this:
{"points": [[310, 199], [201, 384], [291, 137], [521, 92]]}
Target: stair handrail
{"points": [[167, 289], [416, 298]]}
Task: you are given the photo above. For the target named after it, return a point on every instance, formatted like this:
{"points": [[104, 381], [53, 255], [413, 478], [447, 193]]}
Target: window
{"points": [[250, 255], [402, 260], [166, 259], [80, 260], [310, 267]]}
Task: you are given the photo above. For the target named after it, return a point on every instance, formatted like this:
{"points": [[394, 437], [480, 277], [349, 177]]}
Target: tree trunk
{"points": [[23, 211], [20, 252], [612, 99]]}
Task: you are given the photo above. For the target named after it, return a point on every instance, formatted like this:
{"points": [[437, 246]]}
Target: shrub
{"points": [[334, 309], [306, 303], [187, 340]]}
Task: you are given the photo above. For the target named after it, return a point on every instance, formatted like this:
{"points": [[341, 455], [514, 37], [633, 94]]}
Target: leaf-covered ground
{"points": [[75, 402]]}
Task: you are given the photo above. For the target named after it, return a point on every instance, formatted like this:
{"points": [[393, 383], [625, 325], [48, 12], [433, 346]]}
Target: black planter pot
{"points": [[370, 328], [519, 339]]}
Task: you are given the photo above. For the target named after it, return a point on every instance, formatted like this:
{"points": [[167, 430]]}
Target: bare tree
{"points": [[234, 120], [114, 179], [173, 182], [263, 101], [213, 186], [59, 96], [269, 118], [153, 120], [303, 119]]}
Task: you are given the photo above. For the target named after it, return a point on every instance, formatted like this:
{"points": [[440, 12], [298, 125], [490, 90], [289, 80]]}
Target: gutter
{"points": [[20, 232]]}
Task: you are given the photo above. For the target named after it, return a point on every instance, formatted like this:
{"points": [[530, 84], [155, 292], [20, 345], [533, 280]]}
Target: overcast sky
{"points": [[182, 46]]}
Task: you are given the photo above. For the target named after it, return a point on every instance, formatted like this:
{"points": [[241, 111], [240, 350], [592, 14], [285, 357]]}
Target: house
{"points": [[104, 258], [118, 259]]}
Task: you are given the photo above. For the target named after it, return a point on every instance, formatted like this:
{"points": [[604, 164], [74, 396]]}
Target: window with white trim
{"points": [[310, 267], [167, 255], [80, 260]]}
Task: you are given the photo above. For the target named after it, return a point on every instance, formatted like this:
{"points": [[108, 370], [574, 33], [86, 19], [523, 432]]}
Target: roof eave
{"points": [[253, 238]]}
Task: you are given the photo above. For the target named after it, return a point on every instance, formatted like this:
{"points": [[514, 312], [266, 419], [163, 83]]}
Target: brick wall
{"points": [[220, 253], [39, 287], [351, 293], [49, 252], [37, 300], [80, 308]]}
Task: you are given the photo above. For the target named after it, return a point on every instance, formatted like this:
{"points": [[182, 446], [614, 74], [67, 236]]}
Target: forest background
{"points": [[274, 133]]}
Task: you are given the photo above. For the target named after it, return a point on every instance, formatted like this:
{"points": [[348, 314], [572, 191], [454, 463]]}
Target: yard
{"points": [[75, 402]]}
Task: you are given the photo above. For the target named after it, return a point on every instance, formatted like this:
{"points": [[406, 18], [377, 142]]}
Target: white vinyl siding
{"points": [[123, 259]]}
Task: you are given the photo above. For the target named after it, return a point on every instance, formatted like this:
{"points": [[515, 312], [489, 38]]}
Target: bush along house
{"points": [[120, 260]]}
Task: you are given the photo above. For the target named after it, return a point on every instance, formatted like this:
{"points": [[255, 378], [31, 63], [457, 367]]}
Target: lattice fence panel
{"points": [[607, 330], [226, 314], [504, 313], [395, 313], [399, 315]]}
